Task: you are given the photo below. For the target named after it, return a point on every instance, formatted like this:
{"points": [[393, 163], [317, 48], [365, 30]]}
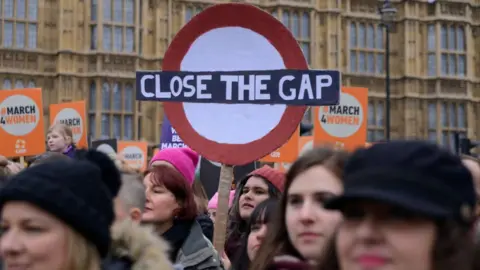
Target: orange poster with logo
{"points": [[305, 143], [21, 122], [345, 125], [287, 152], [72, 114], [134, 154]]}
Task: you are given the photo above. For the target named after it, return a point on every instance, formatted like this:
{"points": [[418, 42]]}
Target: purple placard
{"points": [[169, 137]]}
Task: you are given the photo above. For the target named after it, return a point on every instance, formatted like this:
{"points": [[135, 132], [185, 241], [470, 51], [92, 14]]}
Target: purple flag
{"points": [[169, 137]]}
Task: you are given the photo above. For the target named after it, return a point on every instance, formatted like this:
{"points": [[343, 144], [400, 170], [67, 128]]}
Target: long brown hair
{"points": [[201, 198], [277, 241], [236, 224]]}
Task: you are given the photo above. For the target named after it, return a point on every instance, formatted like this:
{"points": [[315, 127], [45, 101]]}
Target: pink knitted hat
{"points": [[213, 203], [183, 159]]}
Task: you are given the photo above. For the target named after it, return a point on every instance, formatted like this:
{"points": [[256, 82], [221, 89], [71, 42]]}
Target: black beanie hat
{"points": [[415, 175], [110, 174], [73, 191]]}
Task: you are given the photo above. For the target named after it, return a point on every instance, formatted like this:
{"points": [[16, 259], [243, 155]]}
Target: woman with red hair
{"points": [[170, 207]]}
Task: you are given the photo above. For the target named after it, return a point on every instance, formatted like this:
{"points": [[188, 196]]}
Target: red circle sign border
{"points": [[257, 20]]}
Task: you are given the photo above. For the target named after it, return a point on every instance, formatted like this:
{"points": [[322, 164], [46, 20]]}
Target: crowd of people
{"points": [[399, 205]]}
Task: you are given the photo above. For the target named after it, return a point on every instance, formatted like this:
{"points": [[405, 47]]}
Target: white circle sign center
{"points": [[232, 49]]}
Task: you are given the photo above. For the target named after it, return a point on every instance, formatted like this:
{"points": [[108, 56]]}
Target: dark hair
{"points": [[277, 242], [262, 214], [48, 157], [174, 181], [201, 198], [453, 249], [236, 225]]}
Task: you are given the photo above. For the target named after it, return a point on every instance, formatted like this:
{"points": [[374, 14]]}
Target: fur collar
{"points": [[147, 250]]}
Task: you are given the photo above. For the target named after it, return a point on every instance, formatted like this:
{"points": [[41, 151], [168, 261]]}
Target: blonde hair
{"points": [[64, 130], [82, 255]]}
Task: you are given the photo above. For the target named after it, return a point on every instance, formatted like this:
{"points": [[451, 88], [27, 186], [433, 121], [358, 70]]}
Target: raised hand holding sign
{"points": [[235, 86]]}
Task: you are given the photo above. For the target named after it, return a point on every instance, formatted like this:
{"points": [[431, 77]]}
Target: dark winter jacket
{"points": [[207, 225], [191, 248]]}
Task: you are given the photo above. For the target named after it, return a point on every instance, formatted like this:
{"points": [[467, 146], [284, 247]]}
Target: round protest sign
{"points": [[134, 153], [19, 115], [342, 121], [343, 126], [71, 118], [21, 122], [234, 37], [134, 156]]}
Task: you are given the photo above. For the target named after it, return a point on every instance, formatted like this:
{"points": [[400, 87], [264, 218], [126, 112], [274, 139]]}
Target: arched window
{"points": [[128, 98], [106, 96], [105, 126], [18, 84], [92, 97], [117, 97], [128, 127], [117, 126], [7, 84]]}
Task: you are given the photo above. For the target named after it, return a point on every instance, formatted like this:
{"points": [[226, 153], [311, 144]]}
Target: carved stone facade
{"points": [[82, 48]]}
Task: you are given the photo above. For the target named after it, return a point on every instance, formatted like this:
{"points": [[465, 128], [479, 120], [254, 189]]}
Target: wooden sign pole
{"points": [[226, 180]]}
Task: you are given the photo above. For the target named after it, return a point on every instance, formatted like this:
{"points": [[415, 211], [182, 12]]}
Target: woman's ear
{"points": [[136, 215], [180, 204]]}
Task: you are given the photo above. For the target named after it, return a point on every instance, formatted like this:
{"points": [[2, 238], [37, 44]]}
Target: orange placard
{"points": [[134, 153], [305, 143], [287, 152], [72, 114], [343, 125], [21, 120]]}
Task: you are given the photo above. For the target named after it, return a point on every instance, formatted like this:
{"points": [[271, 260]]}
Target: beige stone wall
{"points": [[67, 65]]}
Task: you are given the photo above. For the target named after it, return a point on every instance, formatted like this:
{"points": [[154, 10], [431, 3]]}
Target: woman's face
{"points": [[255, 239], [382, 237], [309, 225], [32, 238], [160, 205], [56, 141], [254, 192]]}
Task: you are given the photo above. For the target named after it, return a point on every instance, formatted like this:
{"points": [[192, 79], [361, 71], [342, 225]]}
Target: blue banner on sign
{"points": [[169, 137], [291, 87]]}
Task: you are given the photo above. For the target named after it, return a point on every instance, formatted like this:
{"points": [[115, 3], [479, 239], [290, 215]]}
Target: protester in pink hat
{"points": [[184, 160], [213, 204]]}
